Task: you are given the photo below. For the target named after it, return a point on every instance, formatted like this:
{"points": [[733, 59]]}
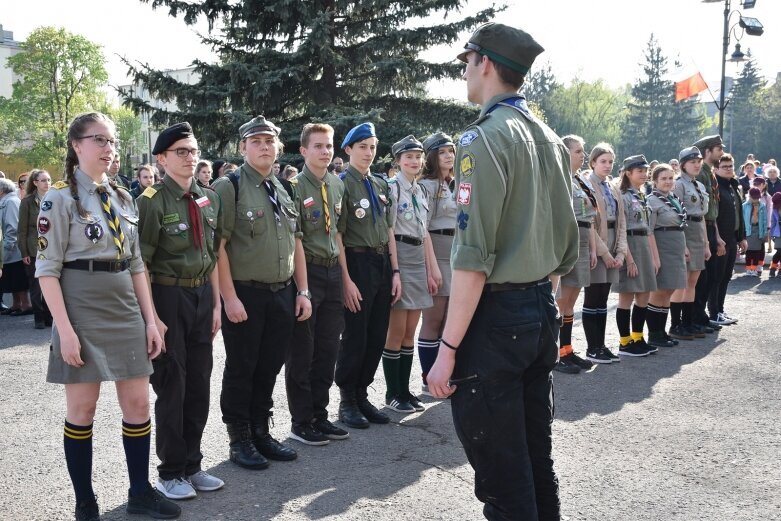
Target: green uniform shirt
{"points": [[27, 233], [166, 232], [360, 227], [259, 248], [515, 221], [311, 213], [708, 180]]}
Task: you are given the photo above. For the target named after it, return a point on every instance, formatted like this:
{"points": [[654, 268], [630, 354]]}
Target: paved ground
{"points": [[692, 433]]}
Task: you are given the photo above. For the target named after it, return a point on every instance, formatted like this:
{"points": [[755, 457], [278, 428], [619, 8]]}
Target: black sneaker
{"points": [[308, 434], [651, 349], [695, 330], [152, 503], [702, 328], [398, 405], [598, 356], [632, 349], [566, 365], [681, 333], [87, 510], [609, 353], [581, 362], [671, 339], [417, 404], [331, 431], [660, 340]]}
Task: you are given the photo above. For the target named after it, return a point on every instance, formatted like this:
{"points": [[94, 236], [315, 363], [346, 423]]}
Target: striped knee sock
{"points": [[391, 361], [136, 438], [405, 368], [77, 441], [427, 354], [656, 318]]}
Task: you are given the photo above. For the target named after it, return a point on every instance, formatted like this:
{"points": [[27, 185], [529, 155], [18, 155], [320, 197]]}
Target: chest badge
{"points": [[364, 203], [94, 232], [360, 213]]}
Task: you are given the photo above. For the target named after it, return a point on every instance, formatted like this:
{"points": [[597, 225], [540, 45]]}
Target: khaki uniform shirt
{"points": [[662, 215], [411, 204], [692, 194], [259, 248], [360, 227], [636, 210], [515, 221], [311, 213], [708, 180], [65, 236], [166, 231], [618, 248], [441, 204], [581, 203]]}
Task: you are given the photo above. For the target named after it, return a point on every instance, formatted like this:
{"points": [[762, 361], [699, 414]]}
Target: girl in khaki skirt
{"points": [[93, 279]]}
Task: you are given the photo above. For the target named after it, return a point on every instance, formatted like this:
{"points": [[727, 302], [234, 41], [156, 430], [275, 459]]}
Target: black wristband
{"points": [[397, 271], [454, 348]]}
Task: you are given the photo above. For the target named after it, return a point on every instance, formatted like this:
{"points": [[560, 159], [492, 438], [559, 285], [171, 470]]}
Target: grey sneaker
{"points": [[205, 482], [177, 488]]}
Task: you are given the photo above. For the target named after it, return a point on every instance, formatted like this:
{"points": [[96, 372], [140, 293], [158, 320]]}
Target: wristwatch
{"points": [[305, 293]]}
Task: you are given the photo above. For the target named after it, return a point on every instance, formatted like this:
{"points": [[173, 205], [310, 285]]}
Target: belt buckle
{"points": [[379, 250], [115, 266]]}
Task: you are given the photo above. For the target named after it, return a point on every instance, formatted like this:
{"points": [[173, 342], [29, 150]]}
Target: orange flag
{"points": [[689, 87]]}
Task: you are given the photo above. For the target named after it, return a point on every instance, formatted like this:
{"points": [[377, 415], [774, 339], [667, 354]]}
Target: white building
{"points": [[8, 48]]}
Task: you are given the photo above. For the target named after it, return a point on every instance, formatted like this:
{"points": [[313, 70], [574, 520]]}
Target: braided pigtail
{"points": [[76, 130]]}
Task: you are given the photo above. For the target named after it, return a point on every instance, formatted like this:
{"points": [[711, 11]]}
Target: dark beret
{"points": [[358, 133], [171, 135]]}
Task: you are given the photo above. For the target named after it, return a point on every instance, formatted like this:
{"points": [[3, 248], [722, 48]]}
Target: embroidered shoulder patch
{"points": [[467, 138], [59, 185], [464, 193], [149, 192], [467, 164]]}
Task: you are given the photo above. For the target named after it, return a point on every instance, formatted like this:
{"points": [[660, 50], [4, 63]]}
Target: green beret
{"points": [[637, 161], [436, 141], [405, 145], [258, 125], [709, 142], [503, 44]]}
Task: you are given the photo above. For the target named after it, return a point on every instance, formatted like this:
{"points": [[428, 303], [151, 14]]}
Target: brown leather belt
{"points": [[509, 286], [111, 266], [162, 280], [378, 250], [319, 261], [270, 286]]}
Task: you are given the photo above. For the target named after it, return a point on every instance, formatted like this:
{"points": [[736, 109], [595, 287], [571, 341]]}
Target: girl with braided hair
{"points": [[93, 279]]}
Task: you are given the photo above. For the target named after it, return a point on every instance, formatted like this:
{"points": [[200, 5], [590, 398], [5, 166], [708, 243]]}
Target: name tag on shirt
{"points": [[309, 201], [203, 201]]}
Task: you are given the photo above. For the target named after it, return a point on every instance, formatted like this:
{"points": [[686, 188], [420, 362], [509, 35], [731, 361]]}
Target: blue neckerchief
{"points": [[516, 102], [609, 197], [372, 198]]}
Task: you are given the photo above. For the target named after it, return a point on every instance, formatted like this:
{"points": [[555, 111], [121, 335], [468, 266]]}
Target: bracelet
{"points": [[454, 348], [397, 271]]}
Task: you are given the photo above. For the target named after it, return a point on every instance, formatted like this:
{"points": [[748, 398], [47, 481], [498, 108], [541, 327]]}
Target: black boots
{"points": [[368, 410], [349, 414], [242, 451], [267, 445], [87, 510]]}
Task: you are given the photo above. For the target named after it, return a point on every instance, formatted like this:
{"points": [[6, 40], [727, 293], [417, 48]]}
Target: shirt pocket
{"points": [[175, 236], [129, 223], [251, 221], [290, 216], [90, 230]]}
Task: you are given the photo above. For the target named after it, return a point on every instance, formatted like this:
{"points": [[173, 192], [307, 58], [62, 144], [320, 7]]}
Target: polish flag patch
{"points": [[464, 193], [203, 201], [309, 201]]}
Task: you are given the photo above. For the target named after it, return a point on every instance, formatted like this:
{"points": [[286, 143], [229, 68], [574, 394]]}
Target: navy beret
{"points": [[359, 133]]}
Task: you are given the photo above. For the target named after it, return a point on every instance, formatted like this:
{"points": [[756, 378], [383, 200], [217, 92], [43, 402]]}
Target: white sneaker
{"points": [[175, 488], [205, 482], [727, 319]]}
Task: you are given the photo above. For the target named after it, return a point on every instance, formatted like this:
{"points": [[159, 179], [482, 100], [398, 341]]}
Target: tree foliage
{"points": [[62, 74], [335, 61], [744, 112]]}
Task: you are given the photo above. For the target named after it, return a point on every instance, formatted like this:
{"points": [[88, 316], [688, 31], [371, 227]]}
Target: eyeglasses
{"points": [[184, 152], [101, 141], [727, 167]]}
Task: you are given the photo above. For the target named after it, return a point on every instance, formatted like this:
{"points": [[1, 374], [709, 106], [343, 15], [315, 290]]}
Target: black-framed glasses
{"points": [[101, 140], [184, 152]]}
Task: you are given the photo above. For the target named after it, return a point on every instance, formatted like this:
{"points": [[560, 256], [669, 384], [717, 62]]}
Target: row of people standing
{"points": [[649, 248]]}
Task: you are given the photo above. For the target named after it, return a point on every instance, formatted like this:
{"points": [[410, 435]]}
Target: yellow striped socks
{"points": [[136, 439], [77, 442]]}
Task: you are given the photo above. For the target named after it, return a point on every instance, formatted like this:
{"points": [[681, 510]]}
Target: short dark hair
{"points": [[513, 78]]}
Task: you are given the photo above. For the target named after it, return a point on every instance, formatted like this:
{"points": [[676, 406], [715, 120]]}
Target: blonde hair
{"points": [[599, 150]]}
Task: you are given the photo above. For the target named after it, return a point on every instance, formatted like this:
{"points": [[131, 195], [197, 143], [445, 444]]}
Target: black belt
{"points": [[611, 224], [319, 261], [377, 250], [509, 286], [695, 218], [582, 224], [668, 229], [114, 266], [162, 280], [271, 286], [449, 231], [638, 233], [408, 240]]}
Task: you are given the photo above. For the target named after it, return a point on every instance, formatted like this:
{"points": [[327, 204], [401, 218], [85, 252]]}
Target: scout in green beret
{"points": [[179, 230], [309, 367], [515, 228], [260, 256]]}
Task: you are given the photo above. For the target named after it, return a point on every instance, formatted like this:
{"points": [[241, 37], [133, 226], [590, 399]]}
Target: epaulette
{"points": [[343, 175], [294, 181], [149, 192], [59, 185]]}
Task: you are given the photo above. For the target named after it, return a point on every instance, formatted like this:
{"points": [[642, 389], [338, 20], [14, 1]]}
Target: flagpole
{"points": [[722, 98]]}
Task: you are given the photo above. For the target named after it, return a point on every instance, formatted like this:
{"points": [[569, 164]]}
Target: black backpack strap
{"points": [[234, 179], [288, 188]]}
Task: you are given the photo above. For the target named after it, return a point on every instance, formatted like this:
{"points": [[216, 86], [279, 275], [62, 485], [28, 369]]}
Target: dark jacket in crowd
{"points": [[730, 219]]}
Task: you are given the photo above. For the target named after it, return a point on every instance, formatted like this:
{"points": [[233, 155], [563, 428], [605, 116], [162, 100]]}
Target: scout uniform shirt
{"points": [[166, 231], [65, 236], [411, 203], [693, 195], [311, 213], [441, 203], [636, 210], [515, 218], [663, 215], [365, 224], [259, 247], [581, 203], [708, 180]]}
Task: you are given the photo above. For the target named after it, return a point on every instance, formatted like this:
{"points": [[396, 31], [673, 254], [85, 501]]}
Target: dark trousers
{"points": [[503, 407], [309, 367], [40, 308], [181, 377], [255, 352], [707, 279], [364, 332], [723, 274]]}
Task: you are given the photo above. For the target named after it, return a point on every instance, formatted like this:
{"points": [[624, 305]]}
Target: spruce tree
{"points": [[744, 112], [333, 61]]}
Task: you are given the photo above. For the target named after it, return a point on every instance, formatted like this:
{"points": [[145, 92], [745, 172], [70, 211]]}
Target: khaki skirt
{"points": [[671, 246], [646, 278], [442, 245], [580, 275], [414, 279], [695, 241], [104, 312], [601, 273]]}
